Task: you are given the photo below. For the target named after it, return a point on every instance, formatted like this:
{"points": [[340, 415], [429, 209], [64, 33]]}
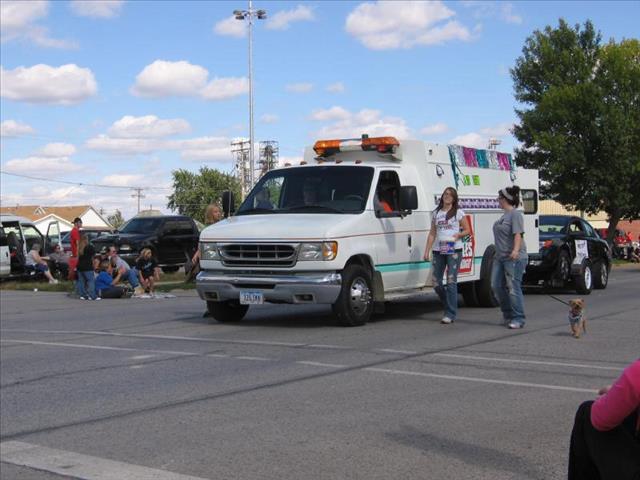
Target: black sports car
{"points": [[570, 252]]}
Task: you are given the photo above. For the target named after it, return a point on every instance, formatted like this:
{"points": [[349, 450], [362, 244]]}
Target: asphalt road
{"points": [[137, 389]]}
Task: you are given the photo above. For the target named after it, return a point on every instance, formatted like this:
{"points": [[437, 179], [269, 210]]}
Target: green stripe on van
{"points": [[398, 267]]}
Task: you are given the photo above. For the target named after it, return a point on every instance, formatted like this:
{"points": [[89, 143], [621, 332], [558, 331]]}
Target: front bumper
{"points": [[308, 287]]}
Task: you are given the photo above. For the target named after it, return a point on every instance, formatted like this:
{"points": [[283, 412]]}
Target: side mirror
{"points": [[228, 203], [408, 198]]}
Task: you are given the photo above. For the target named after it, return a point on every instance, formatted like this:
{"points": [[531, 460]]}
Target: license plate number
{"points": [[251, 298]]}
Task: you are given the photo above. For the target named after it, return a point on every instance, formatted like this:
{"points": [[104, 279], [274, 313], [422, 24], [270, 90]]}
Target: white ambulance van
{"points": [[318, 233]]}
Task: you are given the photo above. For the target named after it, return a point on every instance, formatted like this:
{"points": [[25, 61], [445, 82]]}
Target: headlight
{"points": [[318, 251], [209, 251]]}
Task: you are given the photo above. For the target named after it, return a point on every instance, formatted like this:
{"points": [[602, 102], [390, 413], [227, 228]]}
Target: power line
{"points": [[84, 184]]}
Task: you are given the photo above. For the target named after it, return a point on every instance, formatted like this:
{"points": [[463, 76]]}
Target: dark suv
{"points": [[172, 238]]}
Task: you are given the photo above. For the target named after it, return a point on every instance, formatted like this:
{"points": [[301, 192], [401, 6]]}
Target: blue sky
{"points": [[123, 92]]}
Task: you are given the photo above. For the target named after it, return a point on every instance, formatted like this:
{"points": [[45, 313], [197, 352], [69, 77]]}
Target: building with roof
{"points": [[42, 216]]}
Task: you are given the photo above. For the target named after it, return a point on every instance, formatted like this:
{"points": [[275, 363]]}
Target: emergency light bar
{"points": [[325, 148]]}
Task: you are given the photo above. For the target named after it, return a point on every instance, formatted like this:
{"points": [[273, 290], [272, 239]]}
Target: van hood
{"points": [[292, 227]]}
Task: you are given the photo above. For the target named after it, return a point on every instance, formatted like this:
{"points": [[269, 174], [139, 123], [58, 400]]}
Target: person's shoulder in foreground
{"points": [[619, 401]]}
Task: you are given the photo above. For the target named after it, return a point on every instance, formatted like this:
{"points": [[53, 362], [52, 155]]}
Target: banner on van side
{"points": [[468, 249]]}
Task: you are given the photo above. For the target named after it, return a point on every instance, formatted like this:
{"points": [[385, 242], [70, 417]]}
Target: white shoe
{"points": [[98, 298], [82, 298], [515, 325], [446, 320], [53, 282]]}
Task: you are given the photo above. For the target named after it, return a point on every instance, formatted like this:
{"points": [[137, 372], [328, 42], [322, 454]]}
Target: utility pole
{"points": [[138, 194], [248, 15]]}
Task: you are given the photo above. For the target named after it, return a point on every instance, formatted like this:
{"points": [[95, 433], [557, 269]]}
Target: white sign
{"points": [[582, 251]]}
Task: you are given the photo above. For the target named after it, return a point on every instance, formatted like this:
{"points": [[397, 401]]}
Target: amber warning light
{"points": [[325, 148]]}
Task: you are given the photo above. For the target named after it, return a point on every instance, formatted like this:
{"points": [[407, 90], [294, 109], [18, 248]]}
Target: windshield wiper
{"points": [[254, 211], [302, 208]]}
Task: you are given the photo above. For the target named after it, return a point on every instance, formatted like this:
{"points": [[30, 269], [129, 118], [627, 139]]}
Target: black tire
{"points": [[170, 269], [584, 279], [600, 275], [562, 272], [484, 293], [354, 305], [469, 294], [229, 311]]}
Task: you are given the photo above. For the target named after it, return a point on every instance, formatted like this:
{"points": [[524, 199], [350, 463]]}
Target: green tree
{"points": [[116, 220], [580, 118], [192, 192]]}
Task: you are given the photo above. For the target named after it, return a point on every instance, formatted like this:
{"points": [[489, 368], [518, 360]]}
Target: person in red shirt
{"points": [[605, 441], [75, 236]]}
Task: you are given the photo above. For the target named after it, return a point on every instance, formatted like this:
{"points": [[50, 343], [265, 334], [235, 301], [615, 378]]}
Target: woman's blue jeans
{"points": [[86, 284], [506, 282], [448, 292]]}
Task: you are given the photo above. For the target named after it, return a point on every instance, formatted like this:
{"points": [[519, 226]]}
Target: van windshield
{"points": [[321, 189]]}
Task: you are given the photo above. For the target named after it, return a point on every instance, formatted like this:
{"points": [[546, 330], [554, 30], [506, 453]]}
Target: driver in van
{"points": [[263, 199], [309, 193]]}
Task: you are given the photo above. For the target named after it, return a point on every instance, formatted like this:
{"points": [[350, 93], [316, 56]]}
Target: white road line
{"points": [[258, 359], [217, 355], [532, 362], [161, 337], [77, 465], [141, 357], [319, 364], [403, 352], [320, 345], [483, 380], [99, 347]]}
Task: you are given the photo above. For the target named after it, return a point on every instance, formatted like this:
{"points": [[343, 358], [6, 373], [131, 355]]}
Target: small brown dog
{"points": [[577, 319]]}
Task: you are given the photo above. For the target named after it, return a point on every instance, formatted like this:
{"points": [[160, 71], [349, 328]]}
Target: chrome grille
{"points": [[258, 254]]}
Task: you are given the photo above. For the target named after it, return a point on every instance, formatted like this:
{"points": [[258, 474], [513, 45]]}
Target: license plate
{"points": [[251, 298]]}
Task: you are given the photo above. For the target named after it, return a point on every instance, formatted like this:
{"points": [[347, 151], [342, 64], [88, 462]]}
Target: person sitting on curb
{"points": [[605, 440], [123, 271], [147, 267], [38, 263], [104, 282], [60, 261]]}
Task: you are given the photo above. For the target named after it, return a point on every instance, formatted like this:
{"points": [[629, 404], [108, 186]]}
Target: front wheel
{"points": [[355, 302], [229, 311], [584, 279]]}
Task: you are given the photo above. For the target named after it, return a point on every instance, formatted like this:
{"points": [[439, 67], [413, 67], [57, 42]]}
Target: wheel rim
{"points": [[587, 277], [359, 296]]}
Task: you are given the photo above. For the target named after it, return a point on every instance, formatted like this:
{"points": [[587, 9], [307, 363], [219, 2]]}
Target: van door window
{"points": [[31, 236], [529, 201], [387, 193]]}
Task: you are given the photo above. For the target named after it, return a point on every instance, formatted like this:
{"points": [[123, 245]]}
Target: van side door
{"points": [[53, 237]]}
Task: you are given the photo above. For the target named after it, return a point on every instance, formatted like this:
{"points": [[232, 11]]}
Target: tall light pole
{"points": [[249, 15]]}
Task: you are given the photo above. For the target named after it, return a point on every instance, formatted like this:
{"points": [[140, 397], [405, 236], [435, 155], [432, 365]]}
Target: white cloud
{"points": [[64, 85], [328, 114], [435, 129], [283, 19], [387, 25], [124, 146], [353, 125], [148, 126], [12, 128], [500, 130], [199, 148], [42, 165], [124, 180], [17, 22], [231, 27], [57, 150], [337, 87], [471, 139], [269, 118], [223, 88], [97, 8], [299, 87], [500, 10], [290, 160], [164, 78]]}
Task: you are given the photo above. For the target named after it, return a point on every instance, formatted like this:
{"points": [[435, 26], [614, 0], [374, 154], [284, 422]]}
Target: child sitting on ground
{"points": [[147, 267], [104, 282]]}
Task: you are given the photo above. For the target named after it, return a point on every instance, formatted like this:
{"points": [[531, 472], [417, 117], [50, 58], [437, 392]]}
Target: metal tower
{"points": [[269, 152]]}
